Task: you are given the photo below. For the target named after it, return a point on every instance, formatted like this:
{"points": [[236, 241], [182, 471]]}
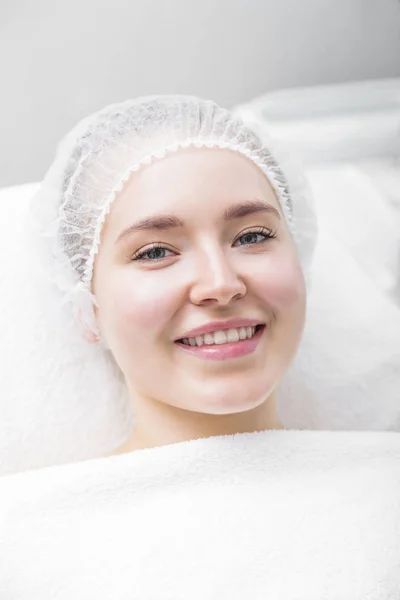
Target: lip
{"points": [[220, 325], [226, 351]]}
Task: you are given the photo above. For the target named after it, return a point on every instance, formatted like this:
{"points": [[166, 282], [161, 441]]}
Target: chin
{"points": [[230, 402]]}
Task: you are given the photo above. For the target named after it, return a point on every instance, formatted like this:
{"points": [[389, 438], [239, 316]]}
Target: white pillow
{"points": [[59, 401], [361, 216], [62, 401], [347, 370]]}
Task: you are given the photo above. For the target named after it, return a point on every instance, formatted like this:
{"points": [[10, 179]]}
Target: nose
{"points": [[216, 281]]}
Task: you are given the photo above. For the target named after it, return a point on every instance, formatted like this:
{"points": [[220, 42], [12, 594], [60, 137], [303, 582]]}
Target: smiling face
{"points": [[207, 242]]}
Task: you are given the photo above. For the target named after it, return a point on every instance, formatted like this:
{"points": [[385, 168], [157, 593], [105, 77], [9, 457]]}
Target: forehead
{"points": [[190, 181]]}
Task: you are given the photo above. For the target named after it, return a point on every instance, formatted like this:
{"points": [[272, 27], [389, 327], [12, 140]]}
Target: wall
{"points": [[61, 61]]}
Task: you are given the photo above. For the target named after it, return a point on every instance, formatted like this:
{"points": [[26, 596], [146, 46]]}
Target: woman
{"points": [[184, 256], [177, 223]]}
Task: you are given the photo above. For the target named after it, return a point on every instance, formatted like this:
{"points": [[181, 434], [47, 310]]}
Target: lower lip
{"points": [[225, 351]]}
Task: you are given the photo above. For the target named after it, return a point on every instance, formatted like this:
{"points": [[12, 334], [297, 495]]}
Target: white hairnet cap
{"points": [[97, 157]]}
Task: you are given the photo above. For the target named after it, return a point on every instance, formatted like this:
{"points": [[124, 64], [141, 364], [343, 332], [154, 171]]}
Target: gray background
{"points": [[61, 61]]}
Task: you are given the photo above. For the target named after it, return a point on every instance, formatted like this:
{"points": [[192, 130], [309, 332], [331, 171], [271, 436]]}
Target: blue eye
{"points": [[154, 254], [251, 237]]}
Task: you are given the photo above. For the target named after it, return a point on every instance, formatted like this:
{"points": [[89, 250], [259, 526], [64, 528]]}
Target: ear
{"points": [[87, 334], [90, 337]]}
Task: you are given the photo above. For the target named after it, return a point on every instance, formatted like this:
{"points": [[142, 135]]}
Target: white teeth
{"points": [[233, 335], [242, 333], [221, 337]]}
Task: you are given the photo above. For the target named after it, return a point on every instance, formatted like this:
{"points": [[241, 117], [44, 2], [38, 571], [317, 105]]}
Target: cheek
{"points": [[142, 301], [282, 284]]}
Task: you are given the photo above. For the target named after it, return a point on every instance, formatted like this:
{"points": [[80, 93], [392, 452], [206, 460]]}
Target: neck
{"points": [[159, 424]]}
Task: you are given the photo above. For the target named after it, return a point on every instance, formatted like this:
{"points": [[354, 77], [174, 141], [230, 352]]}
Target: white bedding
{"points": [[277, 515]]}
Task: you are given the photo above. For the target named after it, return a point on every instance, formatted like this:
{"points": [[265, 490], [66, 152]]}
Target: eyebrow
{"points": [[164, 222]]}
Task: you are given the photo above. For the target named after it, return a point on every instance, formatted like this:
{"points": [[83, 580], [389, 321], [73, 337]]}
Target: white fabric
{"points": [[384, 175], [294, 515], [361, 203], [61, 399], [347, 371], [98, 156]]}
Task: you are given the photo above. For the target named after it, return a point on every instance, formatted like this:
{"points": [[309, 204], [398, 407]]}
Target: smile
{"points": [[223, 344], [222, 336]]}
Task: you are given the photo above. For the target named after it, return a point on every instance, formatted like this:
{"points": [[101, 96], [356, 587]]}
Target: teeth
{"points": [[208, 339], [233, 335], [221, 337], [242, 333]]}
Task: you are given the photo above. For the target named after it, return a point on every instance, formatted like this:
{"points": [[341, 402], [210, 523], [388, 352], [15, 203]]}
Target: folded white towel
{"points": [[277, 515]]}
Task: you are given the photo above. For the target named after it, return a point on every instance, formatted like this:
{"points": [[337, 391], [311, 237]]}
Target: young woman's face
{"points": [[193, 241]]}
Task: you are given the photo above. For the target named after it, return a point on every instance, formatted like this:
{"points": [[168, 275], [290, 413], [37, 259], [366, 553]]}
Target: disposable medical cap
{"points": [[97, 157]]}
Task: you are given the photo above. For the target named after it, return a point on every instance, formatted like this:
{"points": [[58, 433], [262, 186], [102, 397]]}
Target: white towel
{"points": [[274, 515]]}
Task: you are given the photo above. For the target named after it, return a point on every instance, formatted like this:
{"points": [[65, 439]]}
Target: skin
{"points": [[210, 269]]}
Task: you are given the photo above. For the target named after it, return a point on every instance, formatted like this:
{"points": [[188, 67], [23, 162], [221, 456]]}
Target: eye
{"points": [[154, 253], [252, 237]]}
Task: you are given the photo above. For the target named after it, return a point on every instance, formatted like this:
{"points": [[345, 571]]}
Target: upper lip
{"points": [[218, 325]]}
